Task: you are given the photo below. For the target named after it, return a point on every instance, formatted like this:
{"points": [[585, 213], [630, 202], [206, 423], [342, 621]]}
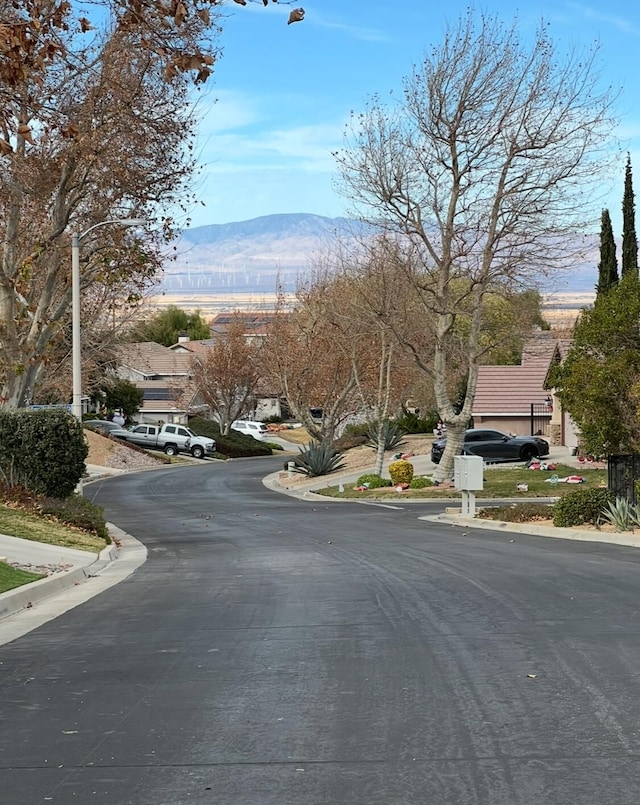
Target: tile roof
{"points": [[167, 395], [153, 359], [509, 390]]}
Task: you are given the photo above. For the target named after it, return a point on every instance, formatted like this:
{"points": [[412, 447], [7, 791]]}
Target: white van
{"points": [[251, 427]]}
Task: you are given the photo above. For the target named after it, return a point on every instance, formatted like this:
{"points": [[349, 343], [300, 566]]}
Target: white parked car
{"points": [[251, 427]]}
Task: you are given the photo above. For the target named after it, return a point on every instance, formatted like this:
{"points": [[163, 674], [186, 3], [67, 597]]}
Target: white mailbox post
{"points": [[468, 478]]}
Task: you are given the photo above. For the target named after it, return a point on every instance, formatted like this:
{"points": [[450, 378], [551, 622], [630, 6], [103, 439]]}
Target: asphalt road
{"points": [[281, 652]]}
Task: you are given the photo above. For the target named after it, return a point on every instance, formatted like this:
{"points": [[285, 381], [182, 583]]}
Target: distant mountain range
{"points": [[251, 257]]}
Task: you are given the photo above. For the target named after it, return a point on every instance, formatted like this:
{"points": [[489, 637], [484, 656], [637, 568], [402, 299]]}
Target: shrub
{"points": [[373, 481], [76, 511], [348, 441], [420, 483], [43, 450], [318, 459], [392, 435], [518, 512], [274, 419], [361, 429], [401, 472], [412, 423], [581, 506]]}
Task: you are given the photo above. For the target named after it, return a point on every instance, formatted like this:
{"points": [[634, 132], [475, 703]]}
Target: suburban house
{"points": [[165, 379], [268, 402], [517, 399]]}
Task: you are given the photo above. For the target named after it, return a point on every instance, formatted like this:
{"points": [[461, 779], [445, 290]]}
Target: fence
{"points": [[623, 473], [539, 419]]}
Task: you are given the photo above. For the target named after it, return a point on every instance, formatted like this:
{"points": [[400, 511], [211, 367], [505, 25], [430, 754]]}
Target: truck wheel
{"points": [[197, 451], [171, 450]]}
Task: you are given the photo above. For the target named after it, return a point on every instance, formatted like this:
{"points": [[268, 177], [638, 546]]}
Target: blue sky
{"points": [[282, 94]]}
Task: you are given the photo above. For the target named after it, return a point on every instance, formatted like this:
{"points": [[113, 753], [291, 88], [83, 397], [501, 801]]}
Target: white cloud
{"points": [[235, 133], [620, 23], [227, 111], [355, 31]]}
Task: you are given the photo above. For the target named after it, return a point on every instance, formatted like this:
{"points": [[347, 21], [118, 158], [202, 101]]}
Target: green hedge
{"points": [[373, 481], [43, 450], [581, 506], [234, 444]]}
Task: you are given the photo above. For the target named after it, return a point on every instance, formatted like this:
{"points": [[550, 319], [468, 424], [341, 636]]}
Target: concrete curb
{"points": [[272, 482], [30, 594]]}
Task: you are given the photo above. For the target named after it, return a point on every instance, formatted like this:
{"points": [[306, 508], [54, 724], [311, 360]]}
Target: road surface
{"points": [[273, 651]]}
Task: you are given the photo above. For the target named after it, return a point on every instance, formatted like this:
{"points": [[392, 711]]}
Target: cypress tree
{"points": [[629, 240], [608, 265]]}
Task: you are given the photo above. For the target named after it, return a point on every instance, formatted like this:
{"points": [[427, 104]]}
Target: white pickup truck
{"points": [[173, 439]]}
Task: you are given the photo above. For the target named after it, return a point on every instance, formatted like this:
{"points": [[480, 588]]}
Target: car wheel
{"points": [[528, 452], [197, 451], [171, 450]]}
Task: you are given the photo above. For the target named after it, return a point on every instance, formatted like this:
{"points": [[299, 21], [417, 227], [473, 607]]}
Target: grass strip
{"points": [[11, 577], [499, 482]]}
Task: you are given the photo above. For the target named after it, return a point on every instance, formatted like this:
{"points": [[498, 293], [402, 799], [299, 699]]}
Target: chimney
{"points": [[183, 337]]}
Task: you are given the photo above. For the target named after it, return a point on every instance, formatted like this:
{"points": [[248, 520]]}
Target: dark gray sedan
{"points": [[102, 425], [493, 445]]}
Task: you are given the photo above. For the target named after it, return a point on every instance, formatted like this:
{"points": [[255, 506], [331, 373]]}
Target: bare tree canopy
{"points": [[483, 171]]}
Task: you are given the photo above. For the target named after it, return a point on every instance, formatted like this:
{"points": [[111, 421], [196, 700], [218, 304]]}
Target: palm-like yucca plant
{"points": [[392, 435], [318, 459], [624, 516]]}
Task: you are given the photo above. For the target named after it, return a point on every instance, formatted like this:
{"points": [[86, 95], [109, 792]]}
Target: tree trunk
{"points": [[380, 450]]}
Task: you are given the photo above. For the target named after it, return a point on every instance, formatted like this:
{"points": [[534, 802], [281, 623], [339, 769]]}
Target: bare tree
{"points": [[483, 171], [308, 355], [369, 300], [227, 373]]}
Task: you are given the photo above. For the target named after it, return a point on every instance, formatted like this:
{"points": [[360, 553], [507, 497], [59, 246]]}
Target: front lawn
{"points": [[11, 577], [499, 482]]}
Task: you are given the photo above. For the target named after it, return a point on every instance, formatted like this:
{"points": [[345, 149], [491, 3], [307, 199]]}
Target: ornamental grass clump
{"points": [[318, 459], [622, 515], [401, 472], [391, 435]]}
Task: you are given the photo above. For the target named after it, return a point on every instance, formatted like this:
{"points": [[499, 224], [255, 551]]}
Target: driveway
{"points": [[273, 651]]}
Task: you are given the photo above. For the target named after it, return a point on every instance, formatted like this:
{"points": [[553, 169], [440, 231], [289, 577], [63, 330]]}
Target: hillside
{"points": [[252, 257]]}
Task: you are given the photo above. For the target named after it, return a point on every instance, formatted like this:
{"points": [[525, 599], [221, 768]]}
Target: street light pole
{"points": [[76, 346]]}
